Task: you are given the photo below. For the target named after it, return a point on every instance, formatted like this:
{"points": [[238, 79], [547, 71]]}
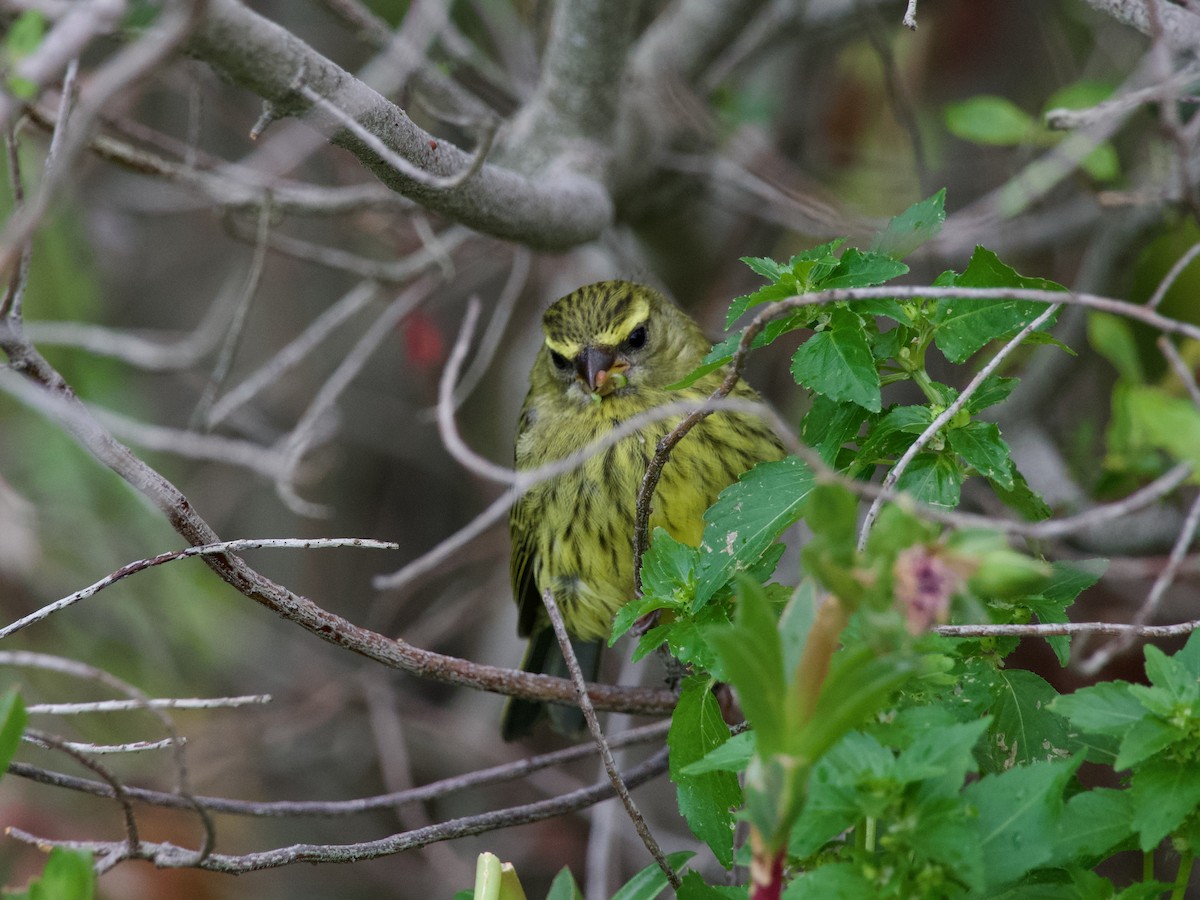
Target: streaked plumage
{"points": [[610, 350]]}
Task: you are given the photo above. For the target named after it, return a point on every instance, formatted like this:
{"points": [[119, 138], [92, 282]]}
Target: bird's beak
{"points": [[596, 366]]}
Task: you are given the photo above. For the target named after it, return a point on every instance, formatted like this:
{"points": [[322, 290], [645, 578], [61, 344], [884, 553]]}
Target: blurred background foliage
{"points": [[825, 121]]}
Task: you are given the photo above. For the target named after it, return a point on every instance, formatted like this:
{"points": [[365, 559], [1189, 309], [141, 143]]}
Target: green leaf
{"points": [[840, 880], [1102, 163], [67, 875], [995, 389], [941, 753], [990, 120], [1104, 708], [1112, 337], [752, 658], [1172, 676], [1160, 421], [980, 444], [731, 756], [1022, 498], [1093, 823], [705, 799], [932, 478], [829, 424], [563, 887], [857, 269], [747, 519], [1189, 656], [668, 581], [1144, 739], [693, 887], [12, 726], [1050, 605], [650, 882], [769, 294], [838, 362], [965, 326], [766, 267], [1024, 730], [1164, 793], [913, 227], [795, 623], [1079, 95], [1019, 817]]}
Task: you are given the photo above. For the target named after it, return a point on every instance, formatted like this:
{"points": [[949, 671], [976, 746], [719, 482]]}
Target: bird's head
{"points": [[614, 337]]}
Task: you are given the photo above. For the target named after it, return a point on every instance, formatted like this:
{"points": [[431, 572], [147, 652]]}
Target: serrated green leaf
{"points": [[932, 478], [990, 120], [651, 881], [913, 227], [1025, 729], [748, 517], [1020, 812], [706, 799], [1164, 793], [1093, 823], [830, 424], [995, 389], [765, 266], [965, 326], [1145, 738], [857, 269], [768, 294], [941, 753], [1105, 708], [1189, 656], [1022, 498], [732, 756], [980, 444], [1171, 675], [838, 362]]}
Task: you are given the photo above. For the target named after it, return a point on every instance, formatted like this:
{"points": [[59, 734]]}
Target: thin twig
{"points": [[116, 786], [106, 706], [1158, 590], [304, 435], [1172, 276], [910, 15], [48, 662], [949, 413], [294, 351], [435, 790], [1051, 629], [1180, 367], [169, 856], [102, 749], [142, 565], [237, 327], [593, 723]]}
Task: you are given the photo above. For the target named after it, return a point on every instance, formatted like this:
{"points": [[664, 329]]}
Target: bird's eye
{"points": [[637, 338], [560, 362]]}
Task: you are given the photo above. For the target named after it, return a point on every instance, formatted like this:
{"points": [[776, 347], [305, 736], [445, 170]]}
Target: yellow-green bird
{"points": [[610, 350]]}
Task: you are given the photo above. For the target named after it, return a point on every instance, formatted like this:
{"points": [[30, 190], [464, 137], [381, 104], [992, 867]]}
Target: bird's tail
{"points": [[544, 655]]}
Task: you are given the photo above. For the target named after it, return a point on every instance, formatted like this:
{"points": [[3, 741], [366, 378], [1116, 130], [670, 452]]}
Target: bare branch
{"points": [[169, 856], [610, 764], [337, 808], [559, 208]]}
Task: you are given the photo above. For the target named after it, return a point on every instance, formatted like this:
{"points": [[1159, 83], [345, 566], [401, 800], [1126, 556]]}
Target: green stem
{"points": [[1148, 866], [872, 822], [1183, 876]]}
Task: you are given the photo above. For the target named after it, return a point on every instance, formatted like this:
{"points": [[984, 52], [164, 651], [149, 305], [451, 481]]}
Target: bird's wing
{"points": [[523, 564]]}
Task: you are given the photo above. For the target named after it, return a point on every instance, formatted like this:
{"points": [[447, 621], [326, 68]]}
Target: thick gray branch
{"points": [[557, 208], [1180, 27]]}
